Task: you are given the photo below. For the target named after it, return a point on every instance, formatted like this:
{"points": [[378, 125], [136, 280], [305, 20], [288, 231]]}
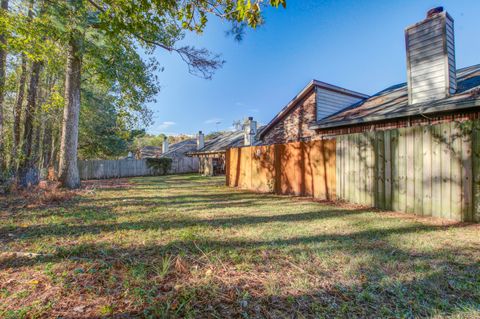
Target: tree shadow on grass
{"points": [[443, 282], [8, 234]]}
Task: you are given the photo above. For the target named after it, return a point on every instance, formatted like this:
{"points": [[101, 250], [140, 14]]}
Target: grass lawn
{"points": [[188, 247]]}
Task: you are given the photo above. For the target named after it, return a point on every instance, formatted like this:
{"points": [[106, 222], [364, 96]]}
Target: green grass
{"points": [[188, 247]]}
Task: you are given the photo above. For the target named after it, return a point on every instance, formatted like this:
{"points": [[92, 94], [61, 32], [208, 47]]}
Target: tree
{"points": [[153, 24], [28, 174], [81, 58], [3, 66], [68, 171]]}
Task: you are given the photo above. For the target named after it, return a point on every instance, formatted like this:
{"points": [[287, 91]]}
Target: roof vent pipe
{"points": [[200, 140], [165, 146], [250, 131]]}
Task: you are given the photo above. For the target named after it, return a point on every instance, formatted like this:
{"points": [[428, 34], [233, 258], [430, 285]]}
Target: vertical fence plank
{"points": [[418, 170], [388, 169], [348, 168], [381, 173], [446, 163], [371, 185], [410, 169], [476, 171], [338, 170], [467, 173], [456, 171], [436, 171], [427, 170], [395, 169], [358, 164], [361, 184], [227, 167], [342, 168], [402, 173]]}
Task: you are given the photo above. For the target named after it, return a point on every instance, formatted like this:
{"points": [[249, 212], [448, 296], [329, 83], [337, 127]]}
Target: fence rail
{"points": [[103, 169], [301, 168]]}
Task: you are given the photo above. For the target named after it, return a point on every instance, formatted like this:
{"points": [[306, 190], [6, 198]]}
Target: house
{"points": [[435, 91], [148, 152], [181, 162], [316, 101], [413, 147], [212, 153]]}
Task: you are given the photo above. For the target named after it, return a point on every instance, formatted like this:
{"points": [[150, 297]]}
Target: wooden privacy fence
{"points": [[301, 168], [425, 170], [103, 169]]}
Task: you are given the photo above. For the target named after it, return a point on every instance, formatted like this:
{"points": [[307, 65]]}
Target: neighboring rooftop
{"points": [[307, 89], [149, 152], [181, 148], [392, 103], [222, 142]]}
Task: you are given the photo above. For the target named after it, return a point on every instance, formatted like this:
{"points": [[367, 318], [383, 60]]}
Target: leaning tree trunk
{"points": [[68, 170], [3, 63], [28, 173]]}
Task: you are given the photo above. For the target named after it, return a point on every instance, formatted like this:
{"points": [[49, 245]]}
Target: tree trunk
{"points": [[3, 67], [68, 170], [19, 100], [19, 104], [27, 172], [47, 144]]}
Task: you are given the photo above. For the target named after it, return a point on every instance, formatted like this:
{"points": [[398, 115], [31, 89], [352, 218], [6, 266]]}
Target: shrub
{"points": [[160, 166]]}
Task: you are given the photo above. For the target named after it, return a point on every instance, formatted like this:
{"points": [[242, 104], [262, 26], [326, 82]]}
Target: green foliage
{"points": [[117, 42], [161, 165], [143, 140]]}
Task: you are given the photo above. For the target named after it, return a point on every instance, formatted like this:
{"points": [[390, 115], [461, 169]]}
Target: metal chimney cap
{"points": [[434, 11]]}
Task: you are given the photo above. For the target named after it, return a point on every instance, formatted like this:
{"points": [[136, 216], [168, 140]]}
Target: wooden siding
{"points": [[431, 59], [329, 102], [452, 67], [424, 170], [300, 168]]}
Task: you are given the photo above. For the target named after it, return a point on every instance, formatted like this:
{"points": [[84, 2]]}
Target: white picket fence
{"points": [[104, 169]]}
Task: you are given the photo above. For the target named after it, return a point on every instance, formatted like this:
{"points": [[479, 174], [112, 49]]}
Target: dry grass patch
{"points": [[188, 247]]}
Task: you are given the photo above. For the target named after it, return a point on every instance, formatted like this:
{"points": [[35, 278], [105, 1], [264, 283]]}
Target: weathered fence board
{"points": [[428, 171], [301, 168], [104, 169]]}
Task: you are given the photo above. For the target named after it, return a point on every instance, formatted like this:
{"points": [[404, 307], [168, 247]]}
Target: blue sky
{"points": [[355, 44]]}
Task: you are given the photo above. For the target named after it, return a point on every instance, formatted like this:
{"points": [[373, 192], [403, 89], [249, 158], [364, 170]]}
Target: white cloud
{"points": [[165, 125], [214, 120]]}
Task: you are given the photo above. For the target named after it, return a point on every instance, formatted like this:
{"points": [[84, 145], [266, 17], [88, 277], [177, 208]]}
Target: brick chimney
{"points": [[250, 131], [200, 140], [431, 70]]}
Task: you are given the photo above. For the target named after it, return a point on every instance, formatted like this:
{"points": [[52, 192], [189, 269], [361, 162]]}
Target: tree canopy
{"points": [[72, 81]]}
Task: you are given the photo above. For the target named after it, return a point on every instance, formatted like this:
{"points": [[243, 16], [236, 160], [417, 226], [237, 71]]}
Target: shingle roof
{"points": [[150, 152], [392, 103], [181, 148], [222, 142]]}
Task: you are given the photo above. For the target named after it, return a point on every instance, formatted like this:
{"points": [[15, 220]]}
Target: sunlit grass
{"points": [[187, 246]]}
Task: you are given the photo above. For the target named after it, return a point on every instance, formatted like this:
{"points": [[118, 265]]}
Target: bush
{"points": [[160, 166]]}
